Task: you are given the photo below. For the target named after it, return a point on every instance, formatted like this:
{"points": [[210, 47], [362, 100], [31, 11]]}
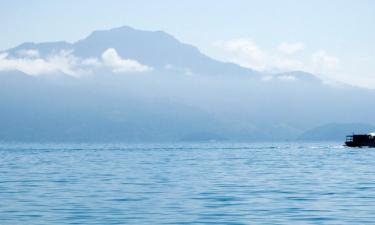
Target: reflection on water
{"points": [[232, 183]]}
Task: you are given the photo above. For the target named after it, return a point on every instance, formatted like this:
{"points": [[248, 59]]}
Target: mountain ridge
{"points": [[157, 49], [335, 131], [178, 95]]}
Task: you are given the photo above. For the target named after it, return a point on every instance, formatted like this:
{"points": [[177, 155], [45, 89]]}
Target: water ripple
{"points": [[181, 183]]}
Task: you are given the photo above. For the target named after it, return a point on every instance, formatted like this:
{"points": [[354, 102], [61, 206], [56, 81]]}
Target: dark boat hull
{"points": [[360, 140], [352, 144]]}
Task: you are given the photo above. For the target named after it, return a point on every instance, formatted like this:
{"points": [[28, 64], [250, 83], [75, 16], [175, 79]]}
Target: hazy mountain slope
{"points": [[44, 49], [167, 104], [46, 111], [153, 48], [336, 132]]}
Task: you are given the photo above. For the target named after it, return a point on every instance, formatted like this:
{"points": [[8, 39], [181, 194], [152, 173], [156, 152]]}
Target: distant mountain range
{"points": [[157, 49], [335, 132], [125, 84]]}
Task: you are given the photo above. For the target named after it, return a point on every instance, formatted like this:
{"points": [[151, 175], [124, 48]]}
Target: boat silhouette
{"points": [[360, 140]]}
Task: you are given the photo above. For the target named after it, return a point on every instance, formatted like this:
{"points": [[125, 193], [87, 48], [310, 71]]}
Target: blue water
{"points": [[268, 183]]}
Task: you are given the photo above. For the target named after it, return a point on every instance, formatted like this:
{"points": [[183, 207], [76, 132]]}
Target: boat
{"points": [[361, 140]]}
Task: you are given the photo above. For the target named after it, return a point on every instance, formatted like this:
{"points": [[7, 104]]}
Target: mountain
{"points": [[156, 49], [125, 84], [335, 131], [298, 75]]}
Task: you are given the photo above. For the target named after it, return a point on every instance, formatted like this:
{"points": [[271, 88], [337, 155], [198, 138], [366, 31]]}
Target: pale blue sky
{"points": [[332, 30]]}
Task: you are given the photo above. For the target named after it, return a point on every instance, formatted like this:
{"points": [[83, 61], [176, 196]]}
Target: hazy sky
{"points": [[334, 39]]}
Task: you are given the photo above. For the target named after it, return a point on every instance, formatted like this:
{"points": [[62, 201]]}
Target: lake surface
{"points": [[230, 183]]}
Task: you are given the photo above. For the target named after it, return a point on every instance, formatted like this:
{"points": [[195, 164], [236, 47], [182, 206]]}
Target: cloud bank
{"points": [[28, 53], [31, 66], [247, 53], [29, 61]]}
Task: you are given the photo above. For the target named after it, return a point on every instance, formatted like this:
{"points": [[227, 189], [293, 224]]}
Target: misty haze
{"points": [[125, 84], [187, 112]]}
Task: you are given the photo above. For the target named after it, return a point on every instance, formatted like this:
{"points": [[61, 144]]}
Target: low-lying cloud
{"points": [[32, 53], [322, 59], [29, 61], [246, 52], [117, 64], [29, 66]]}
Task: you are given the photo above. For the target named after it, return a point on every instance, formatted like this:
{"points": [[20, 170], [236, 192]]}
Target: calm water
{"points": [[302, 183]]}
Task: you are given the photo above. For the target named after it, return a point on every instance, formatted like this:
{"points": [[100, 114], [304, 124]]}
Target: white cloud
{"points": [[245, 52], [287, 78], [66, 62], [283, 78], [31, 53], [323, 61], [92, 62], [325, 66], [291, 48], [185, 71], [63, 61], [112, 60], [26, 65]]}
